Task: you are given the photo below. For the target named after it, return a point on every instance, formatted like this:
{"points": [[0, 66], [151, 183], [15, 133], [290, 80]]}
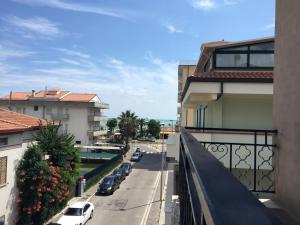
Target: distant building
{"points": [[16, 132], [80, 114]]}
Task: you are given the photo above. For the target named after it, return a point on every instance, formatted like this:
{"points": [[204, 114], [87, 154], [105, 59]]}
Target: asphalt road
{"points": [[132, 202]]}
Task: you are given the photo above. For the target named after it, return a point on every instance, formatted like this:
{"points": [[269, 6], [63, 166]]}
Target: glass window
{"points": [[231, 60], [3, 141], [261, 60], [3, 166], [263, 46], [240, 48], [36, 108]]}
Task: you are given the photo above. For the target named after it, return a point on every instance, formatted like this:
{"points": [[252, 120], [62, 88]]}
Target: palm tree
{"points": [[128, 124], [141, 123]]}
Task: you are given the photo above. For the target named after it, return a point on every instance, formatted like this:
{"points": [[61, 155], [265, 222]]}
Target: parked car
{"points": [[108, 185], [136, 156], [140, 151], [78, 213], [127, 167], [120, 173]]}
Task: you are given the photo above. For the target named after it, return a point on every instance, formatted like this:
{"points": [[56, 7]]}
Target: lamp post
{"points": [[162, 163]]}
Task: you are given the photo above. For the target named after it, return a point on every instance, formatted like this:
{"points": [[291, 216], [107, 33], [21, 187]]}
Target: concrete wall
{"points": [[286, 111], [247, 112], [14, 152]]}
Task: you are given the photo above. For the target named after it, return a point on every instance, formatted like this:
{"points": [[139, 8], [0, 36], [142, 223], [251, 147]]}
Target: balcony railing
{"points": [[209, 194], [247, 153]]}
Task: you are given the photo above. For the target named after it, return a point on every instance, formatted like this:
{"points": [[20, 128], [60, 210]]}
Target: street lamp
{"points": [[162, 162]]}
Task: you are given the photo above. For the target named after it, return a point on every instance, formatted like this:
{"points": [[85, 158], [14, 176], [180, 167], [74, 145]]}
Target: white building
{"points": [[15, 133], [80, 114]]}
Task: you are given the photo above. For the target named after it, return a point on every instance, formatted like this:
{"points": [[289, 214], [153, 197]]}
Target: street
{"points": [[137, 196]]}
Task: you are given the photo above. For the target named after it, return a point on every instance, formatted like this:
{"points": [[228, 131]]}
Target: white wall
{"points": [[8, 192]]}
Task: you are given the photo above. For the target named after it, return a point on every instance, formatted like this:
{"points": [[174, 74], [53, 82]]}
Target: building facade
{"points": [[80, 114], [16, 132]]}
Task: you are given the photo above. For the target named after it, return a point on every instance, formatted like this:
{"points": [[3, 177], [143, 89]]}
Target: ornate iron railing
{"points": [[210, 194], [251, 161]]}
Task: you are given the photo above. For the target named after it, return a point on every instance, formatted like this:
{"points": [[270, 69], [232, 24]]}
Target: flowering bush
{"points": [[44, 186]]}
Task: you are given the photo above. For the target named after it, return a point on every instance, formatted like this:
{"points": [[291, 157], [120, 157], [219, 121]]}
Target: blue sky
{"points": [[126, 51]]}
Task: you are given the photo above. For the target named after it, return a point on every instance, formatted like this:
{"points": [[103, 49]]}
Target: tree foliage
{"points": [[142, 123], [112, 124], [154, 128], [128, 124], [44, 185]]}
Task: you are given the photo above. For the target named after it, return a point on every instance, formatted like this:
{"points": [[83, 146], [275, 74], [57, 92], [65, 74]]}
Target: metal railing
{"points": [[251, 161], [210, 194]]}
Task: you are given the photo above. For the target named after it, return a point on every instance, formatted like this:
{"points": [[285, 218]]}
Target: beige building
{"points": [[286, 109], [16, 132], [80, 114]]}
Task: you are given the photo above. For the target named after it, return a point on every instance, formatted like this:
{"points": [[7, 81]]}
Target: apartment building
{"points": [[80, 114], [16, 132]]}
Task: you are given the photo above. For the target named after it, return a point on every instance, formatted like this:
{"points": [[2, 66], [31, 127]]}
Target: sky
{"points": [[126, 51]]}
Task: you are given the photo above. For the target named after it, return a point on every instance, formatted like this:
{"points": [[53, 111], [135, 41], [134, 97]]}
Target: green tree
{"points": [[111, 124], [60, 147], [128, 124], [142, 123], [154, 128]]}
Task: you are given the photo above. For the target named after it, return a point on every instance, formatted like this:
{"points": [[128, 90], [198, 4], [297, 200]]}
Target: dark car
{"points": [[139, 151], [108, 185], [127, 167], [120, 173]]}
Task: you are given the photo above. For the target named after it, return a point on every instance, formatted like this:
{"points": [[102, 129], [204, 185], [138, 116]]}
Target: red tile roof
{"points": [[237, 74], [52, 94], [16, 122], [77, 97]]}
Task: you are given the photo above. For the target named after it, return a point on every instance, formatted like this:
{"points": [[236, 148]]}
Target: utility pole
{"points": [[162, 163]]}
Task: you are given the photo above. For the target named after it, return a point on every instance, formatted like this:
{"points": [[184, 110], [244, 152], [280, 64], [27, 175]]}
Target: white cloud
{"points": [[71, 61], [204, 4], [7, 52], [269, 26], [36, 26], [76, 7], [149, 56], [172, 29], [73, 53]]}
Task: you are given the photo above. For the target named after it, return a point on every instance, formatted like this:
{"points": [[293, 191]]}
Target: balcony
{"points": [[101, 105], [210, 194], [247, 153]]}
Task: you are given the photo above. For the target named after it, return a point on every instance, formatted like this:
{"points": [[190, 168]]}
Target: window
{"points": [[86, 207], [78, 142], [3, 141], [261, 60], [250, 56], [2, 220], [3, 166], [36, 108], [231, 60]]}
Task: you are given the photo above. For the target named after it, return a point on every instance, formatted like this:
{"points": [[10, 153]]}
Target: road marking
{"points": [[147, 211]]}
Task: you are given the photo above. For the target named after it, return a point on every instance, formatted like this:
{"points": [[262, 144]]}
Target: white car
{"points": [[77, 214]]}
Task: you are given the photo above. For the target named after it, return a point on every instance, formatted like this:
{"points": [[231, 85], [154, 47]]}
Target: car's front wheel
{"points": [[92, 214]]}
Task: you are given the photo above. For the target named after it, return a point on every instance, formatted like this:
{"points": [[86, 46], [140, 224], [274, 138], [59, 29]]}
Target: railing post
{"points": [[230, 158], [255, 143]]}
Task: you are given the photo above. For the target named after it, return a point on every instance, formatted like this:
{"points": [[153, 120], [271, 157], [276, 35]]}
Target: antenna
{"points": [[9, 101]]}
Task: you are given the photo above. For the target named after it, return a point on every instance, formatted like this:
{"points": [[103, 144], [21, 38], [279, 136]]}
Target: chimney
{"points": [[9, 101], [32, 93]]}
